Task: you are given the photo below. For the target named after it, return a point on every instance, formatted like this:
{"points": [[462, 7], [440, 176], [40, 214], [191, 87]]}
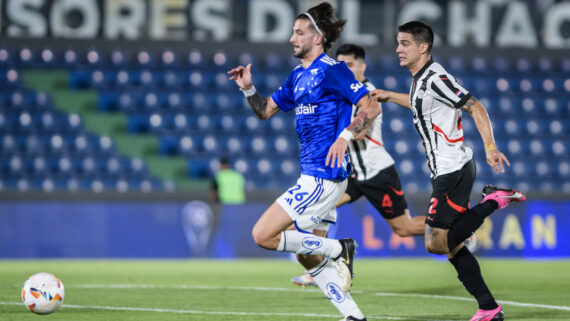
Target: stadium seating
{"points": [[188, 103]]}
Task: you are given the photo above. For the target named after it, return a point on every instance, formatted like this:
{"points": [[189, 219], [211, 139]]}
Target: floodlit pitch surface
{"points": [[391, 289]]}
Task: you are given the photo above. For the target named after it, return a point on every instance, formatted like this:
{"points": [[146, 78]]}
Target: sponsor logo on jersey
{"points": [[312, 243], [305, 109], [335, 293], [356, 86]]}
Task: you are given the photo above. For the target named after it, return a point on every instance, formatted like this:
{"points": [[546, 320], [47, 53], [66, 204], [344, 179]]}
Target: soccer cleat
{"points": [[351, 318], [472, 243], [344, 274], [347, 254], [489, 315], [502, 196], [304, 280]]}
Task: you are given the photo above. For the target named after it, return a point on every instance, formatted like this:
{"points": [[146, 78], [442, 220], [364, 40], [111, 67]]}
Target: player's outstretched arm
{"points": [[369, 109], [391, 96], [263, 107], [495, 158]]}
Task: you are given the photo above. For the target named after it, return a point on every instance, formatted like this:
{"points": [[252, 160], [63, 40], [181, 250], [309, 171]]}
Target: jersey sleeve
{"points": [[284, 97], [341, 82], [448, 90]]}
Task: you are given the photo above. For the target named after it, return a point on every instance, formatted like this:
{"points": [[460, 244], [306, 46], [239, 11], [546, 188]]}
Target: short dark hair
{"points": [[324, 17], [224, 160], [421, 32], [351, 49]]}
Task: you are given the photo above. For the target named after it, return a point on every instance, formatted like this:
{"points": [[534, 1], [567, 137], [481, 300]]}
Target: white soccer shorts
{"points": [[311, 203]]}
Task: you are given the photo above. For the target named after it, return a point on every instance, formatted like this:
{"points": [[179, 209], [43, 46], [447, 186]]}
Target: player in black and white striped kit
{"points": [[437, 101]]}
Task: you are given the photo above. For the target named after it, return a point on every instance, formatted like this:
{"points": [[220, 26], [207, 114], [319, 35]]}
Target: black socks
{"points": [[469, 274], [468, 222]]}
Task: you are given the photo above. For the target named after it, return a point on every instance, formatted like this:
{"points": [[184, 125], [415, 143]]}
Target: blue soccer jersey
{"points": [[322, 95]]}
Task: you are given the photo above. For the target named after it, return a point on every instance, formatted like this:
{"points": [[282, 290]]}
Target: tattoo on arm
{"points": [[360, 123], [469, 104], [258, 104]]}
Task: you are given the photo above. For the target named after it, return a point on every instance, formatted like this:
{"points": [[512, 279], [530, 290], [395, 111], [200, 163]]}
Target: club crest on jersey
{"points": [[356, 86], [305, 109], [421, 94], [312, 243], [335, 293]]}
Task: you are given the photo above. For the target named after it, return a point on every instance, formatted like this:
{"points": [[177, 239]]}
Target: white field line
{"points": [[307, 315], [259, 288]]}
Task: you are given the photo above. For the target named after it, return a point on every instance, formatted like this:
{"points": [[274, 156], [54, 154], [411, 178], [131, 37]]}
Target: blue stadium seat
{"points": [[71, 58], [483, 85], [6, 57], [222, 61], [145, 59], [479, 64], [273, 61], [558, 147], [10, 78], [542, 169], [388, 63], [198, 168], [187, 145], [173, 80], [150, 79], [227, 103], [457, 64], [8, 145], [235, 145], [545, 64], [563, 169], [79, 79], [119, 59], [169, 59], [138, 123], [259, 145], [94, 59], [501, 65], [536, 126], [195, 59], [524, 65], [227, 124], [27, 57], [518, 147], [246, 58], [283, 145], [212, 144]]}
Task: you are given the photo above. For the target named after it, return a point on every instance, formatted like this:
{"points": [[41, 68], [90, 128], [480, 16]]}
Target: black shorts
{"points": [[450, 196], [384, 191]]}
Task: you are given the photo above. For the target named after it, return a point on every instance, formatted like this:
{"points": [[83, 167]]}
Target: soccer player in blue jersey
{"points": [[322, 92]]}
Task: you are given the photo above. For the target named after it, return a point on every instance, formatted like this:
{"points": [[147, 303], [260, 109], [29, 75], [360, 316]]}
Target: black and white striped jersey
{"points": [[436, 99], [368, 156]]}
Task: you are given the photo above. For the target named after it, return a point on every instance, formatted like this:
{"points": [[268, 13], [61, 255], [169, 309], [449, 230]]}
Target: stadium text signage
{"points": [[457, 23]]}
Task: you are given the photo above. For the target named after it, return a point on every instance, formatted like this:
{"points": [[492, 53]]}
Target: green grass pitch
{"points": [[386, 289]]}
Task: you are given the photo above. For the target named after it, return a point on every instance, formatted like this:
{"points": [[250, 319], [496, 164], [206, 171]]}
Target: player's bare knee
{"points": [[435, 247], [402, 232], [260, 238]]}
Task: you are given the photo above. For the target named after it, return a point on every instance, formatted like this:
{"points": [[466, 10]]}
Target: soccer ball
{"points": [[43, 293]]}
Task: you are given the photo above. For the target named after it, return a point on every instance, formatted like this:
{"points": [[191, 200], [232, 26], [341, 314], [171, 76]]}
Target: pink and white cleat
{"points": [[489, 315], [502, 196]]}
